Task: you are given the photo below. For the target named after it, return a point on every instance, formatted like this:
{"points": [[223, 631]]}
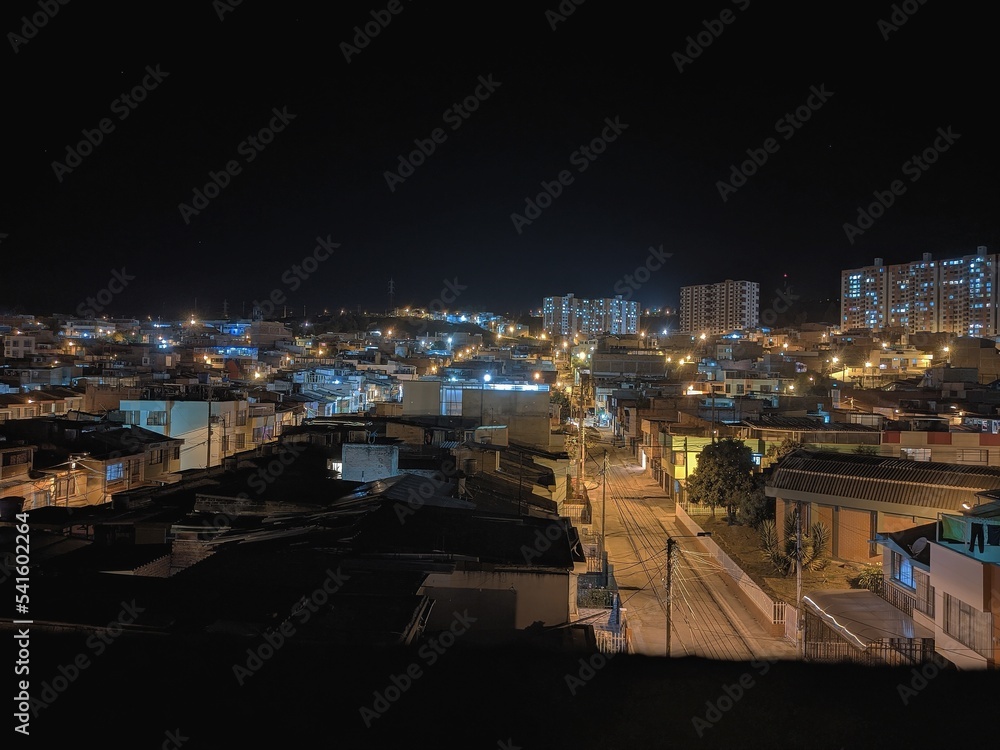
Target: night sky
{"points": [[217, 82]]}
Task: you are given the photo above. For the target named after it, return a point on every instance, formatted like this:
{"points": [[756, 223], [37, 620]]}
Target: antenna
{"points": [[392, 290]]}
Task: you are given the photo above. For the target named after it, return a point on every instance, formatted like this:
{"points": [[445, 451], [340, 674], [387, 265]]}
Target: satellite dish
{"points": [[919, 546]]}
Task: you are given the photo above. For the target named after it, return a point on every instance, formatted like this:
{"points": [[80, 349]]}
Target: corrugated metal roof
{"points": [[879, 479], [805, 424]]}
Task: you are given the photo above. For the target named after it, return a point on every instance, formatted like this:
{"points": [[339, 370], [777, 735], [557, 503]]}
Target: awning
{"points": [[863, 618]]}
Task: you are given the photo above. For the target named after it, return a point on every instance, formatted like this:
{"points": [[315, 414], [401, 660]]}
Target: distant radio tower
{"points": [[225, 309], [392, 289]]}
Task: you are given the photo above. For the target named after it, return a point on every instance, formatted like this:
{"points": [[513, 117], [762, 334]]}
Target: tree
{"points": [[755, 507], [866, 450], [776, 452], [724, 477], [815, 545]]}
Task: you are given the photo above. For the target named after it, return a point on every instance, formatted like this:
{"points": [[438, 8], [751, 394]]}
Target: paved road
{"points": [[708, 618]]}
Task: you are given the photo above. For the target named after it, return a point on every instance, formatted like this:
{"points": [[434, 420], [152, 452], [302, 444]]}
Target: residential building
{"points": [[720, 308], [957, 295], [572, 316], [18, 346]]}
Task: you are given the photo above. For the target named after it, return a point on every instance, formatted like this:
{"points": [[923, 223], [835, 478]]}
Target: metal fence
{"points": [[899, 599]]}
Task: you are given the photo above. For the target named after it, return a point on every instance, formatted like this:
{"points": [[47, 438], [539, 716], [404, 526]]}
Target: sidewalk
{"points": [[709, 618]]}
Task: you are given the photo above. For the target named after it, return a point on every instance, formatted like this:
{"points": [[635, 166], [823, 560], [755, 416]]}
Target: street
{"points": [[709, 620]]}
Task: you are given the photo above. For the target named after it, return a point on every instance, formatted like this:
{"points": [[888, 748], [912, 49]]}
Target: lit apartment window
{"points": [[902, 570], [115, 473]]}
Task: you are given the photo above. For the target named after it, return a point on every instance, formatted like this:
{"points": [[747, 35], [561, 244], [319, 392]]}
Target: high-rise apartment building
{"points": [[569, 316], [957, 296], [720, 308]]}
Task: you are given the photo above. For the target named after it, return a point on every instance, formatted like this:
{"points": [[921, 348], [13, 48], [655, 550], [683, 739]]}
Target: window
{"points": [[241, 441], [177, 453], [156, 456], [225, 444], [156, 418], [902, 570], [972, 456], [241, 418], [968, 625], [114, 473], [925, 593], [65, 487], [915, 454]]}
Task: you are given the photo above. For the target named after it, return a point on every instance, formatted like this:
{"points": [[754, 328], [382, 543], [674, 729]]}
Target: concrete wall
{"points": [[422, 398], [366, 463], [526, 413]]}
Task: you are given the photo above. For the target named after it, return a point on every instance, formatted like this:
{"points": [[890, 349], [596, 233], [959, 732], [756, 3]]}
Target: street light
{"points": [[671, 546]]}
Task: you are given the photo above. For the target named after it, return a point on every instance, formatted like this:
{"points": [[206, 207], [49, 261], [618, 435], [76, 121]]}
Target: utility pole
{"points": [[604, 500], [711, 387], [671, 545], [583, 440], [799, 642], [208, 451]]}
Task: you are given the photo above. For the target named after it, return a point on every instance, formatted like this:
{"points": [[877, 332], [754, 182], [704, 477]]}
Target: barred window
{"points": [[902, 570], [968, 625], [925, 593]]}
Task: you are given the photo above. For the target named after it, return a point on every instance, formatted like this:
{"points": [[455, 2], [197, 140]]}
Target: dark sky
{"points": [[325, 173]]}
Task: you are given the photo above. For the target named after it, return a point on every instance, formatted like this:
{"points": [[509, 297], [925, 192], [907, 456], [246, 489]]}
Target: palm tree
{"points": [[815, 545]]}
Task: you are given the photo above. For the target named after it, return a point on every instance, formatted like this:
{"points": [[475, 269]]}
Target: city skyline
{"points": [[317, 157]]}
